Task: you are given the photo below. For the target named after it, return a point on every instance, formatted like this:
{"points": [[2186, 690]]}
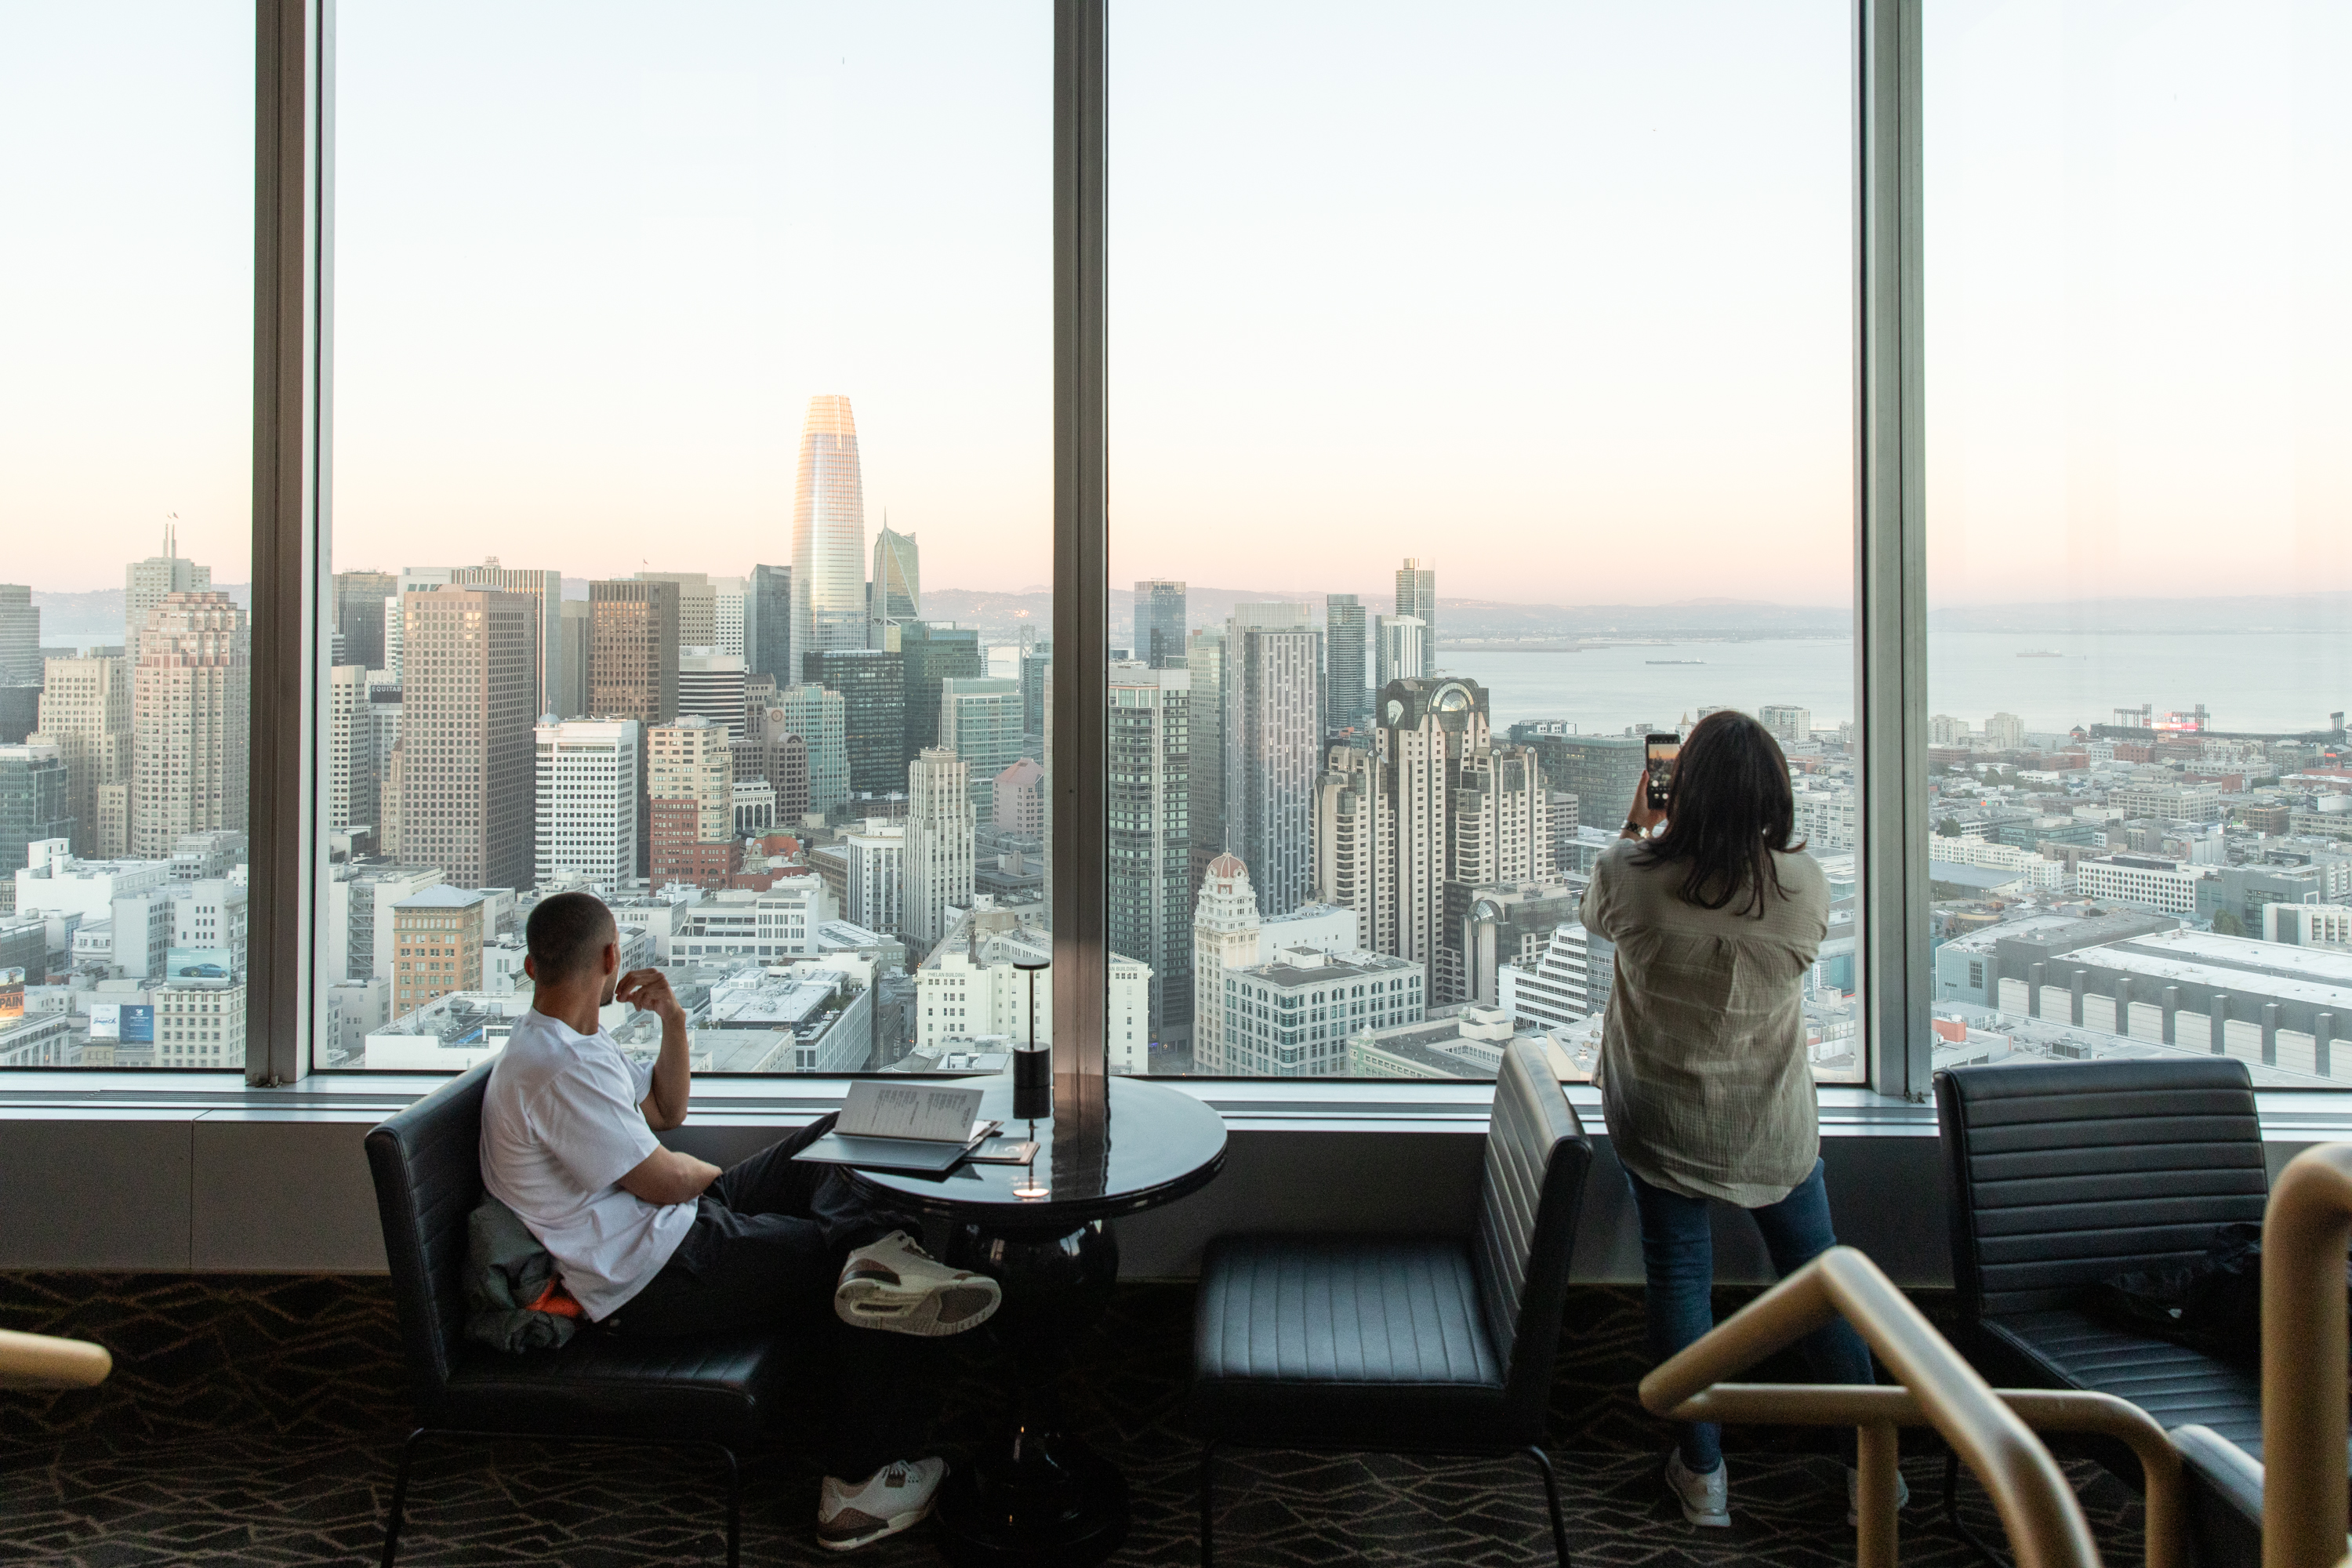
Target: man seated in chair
{"points": [[655, 1243]]}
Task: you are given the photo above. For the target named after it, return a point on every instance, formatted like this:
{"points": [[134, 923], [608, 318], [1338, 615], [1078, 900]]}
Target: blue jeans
{"points": [[1678, 1261]]}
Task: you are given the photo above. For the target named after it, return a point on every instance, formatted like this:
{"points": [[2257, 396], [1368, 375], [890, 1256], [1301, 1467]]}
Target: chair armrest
{"points": [[2224, 1488]]}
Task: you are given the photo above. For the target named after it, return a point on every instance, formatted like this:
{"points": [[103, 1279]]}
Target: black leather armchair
{"points": [[1403, 1344], [2058, 1177], [715, 1391]]}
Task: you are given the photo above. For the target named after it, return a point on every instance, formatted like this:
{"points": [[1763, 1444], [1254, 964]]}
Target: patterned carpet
{"points": [[255, 1421]]}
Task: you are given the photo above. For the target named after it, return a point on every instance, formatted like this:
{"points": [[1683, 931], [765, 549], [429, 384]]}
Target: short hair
{"points": [[565, 933]]}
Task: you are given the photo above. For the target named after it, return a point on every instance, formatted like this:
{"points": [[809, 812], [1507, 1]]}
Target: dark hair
{"points": [[1727, 809], [566, 934]]}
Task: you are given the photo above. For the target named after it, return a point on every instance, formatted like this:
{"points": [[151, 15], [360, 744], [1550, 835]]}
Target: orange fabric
{"points": [[555, 1299]]}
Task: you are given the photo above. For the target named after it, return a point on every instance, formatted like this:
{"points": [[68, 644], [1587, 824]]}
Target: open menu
{"points": [[903, 1127]]}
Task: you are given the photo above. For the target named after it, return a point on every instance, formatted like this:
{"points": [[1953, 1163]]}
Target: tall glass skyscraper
{"points": [[1416, 596], [1346, 695], [829, 533], [895, 593], [1159, 624]]}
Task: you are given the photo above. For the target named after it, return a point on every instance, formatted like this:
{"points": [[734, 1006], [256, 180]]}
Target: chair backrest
{"points": [[1529, 1199], [2058, 1176], [427, 1164]]}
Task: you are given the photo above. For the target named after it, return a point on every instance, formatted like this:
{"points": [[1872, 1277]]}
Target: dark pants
{"points": [[1678, 1261], [765, 1251]]}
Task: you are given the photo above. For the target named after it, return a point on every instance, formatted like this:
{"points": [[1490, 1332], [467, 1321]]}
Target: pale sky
{"points": [[1560, 295]]}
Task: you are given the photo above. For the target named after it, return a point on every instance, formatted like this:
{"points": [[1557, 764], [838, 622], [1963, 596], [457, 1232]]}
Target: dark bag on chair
{"points": [[2213, 1304]]}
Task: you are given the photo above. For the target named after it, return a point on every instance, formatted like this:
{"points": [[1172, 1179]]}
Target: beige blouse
{"points": [[1703, 1073]]}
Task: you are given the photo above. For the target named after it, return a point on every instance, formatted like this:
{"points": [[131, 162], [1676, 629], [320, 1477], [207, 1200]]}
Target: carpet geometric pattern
{"points": [[256, 1420]]}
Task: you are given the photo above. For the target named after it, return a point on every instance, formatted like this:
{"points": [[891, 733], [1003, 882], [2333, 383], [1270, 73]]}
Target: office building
{"points": [[875, 858], [1205, 656], [691, 785], [873, 689], [710, 686], [438, 933], [633, 642], [1791, 726], [1292, 1017], [1416, 597], [930, 654], [1401, 642], [1159, 625], [1346, 646], [1225, 925], [731, 612], [85, 714], [587, 806], [468, 757], [146, 583], [359, 942], [1601, 770], [768, 625], [20, 637], [35, 795], [780, 763], [360, 598], [574, 623], [1035, 660], [1148, 851], [980, 720], [938, 840], [200, 1023], [697, 606], [348, 789], [820, 717], [828, 536], [545, 592], [1272, 749], [894, 591], [191, 720], [1018, 799]]}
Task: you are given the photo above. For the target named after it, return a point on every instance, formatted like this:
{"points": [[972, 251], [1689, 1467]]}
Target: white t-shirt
{"points": [[561, 1124]]}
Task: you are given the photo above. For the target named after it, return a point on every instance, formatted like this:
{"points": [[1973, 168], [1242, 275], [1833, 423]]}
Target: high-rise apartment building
{"points": [[1272, 746], [34, 789], [587, 806], [633, 645], [1416, 596], [933, 653], [1149, 847], [939, 842], [711, 684], [692, 761], [1019, 804], [873, 689], [1205, 654], [145, 585], [876, 857], [1402, 642], [20, 637], [980, 720], [348, 789], [1225, 925], [1788, 725], [359, 615], [828, 536], [574, 621], [1346, 644], [820, 717], [468, 767], [84, 713], [1159, 624], [768, 625], [191, 710], [545, 591], [437, 936], [895, 593]]}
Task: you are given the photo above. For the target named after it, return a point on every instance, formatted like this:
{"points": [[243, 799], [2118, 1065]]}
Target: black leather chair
{"points": [[1403, 1344], [2058, 1177], [716, 1391]]}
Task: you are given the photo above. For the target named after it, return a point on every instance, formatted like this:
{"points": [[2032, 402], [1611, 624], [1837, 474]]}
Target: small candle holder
{"points": [[1033, 1090]]}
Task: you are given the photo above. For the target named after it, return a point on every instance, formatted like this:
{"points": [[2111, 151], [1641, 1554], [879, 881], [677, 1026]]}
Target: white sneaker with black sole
{"points": [[1705, 1500], [851, 1514], [894, 1284]]}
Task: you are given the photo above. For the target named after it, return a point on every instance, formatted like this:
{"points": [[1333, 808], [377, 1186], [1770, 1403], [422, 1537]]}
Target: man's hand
{"points": [[647, 990]]}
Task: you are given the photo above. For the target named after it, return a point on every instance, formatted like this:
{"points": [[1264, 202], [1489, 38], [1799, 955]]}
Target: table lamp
{"points": [[1032, 1085]]}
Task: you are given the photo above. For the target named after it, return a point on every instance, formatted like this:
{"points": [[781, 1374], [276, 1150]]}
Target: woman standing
{"points": [[1704, 1084]]}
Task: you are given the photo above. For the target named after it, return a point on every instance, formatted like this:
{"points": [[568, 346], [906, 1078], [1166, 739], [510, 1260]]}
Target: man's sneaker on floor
{"points": [[1853, 1495], [1705, 1500], [849, 1514], [894, 1284]]}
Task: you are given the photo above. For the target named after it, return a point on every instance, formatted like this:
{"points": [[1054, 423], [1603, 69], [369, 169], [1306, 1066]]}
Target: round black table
{"points": [[1038, 1495]]}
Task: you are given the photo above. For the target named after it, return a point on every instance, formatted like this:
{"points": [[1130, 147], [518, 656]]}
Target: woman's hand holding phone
{"points": [[1642, 814]]}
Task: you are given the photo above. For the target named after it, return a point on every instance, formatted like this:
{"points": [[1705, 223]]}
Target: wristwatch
{"points": [[1632, 829]]}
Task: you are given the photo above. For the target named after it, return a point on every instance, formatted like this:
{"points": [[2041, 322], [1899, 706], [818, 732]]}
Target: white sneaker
{"points": [[1705, 1500], [894, 1284], [1853, 1495], [892, 1499]]}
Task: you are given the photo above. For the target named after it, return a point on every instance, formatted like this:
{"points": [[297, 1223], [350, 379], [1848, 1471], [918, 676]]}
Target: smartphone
{"points": [[1658, 766]]}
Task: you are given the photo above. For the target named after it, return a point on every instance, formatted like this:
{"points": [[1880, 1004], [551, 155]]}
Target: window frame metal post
{"points": [[285, 895], [1891, 641], [1080, 670]]}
